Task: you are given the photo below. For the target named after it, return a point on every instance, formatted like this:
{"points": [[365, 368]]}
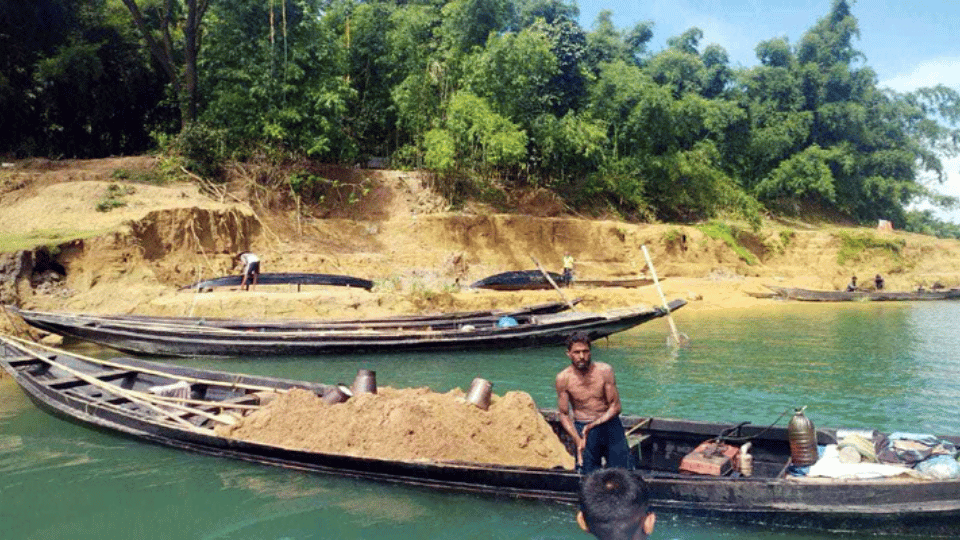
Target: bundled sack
{"points": [[942, 467], [859, 448], [912, 448]]}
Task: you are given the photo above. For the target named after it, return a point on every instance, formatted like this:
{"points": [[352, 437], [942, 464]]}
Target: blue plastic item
{"points": [[506, 322]]}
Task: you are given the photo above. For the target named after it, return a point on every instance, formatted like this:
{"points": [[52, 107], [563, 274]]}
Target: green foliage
{"points": [[804, 175], [203, 149], [494, 95], [314, 189], [51, 238], [512, 74], [114, 197], [441, 151], [74, 81], [484, 139], [924, 222], [728, 234], [140, 177], [673, 237], [856, 246], [786, 237]]}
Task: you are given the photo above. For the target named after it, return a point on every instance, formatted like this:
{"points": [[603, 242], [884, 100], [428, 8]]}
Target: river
{"points": [[887, 366]]}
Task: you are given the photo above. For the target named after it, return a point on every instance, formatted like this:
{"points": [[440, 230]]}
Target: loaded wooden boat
{"points": [[808, 295], [285, 279], [432, 320], [120, 396], [178, 340]]}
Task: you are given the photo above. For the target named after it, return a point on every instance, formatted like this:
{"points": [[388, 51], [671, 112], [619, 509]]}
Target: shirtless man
{"points": [[591, 389]]}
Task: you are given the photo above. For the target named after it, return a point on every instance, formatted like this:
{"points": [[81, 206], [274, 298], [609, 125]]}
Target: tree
{"points": [[183, 80], [513, 73], [282, 87]]}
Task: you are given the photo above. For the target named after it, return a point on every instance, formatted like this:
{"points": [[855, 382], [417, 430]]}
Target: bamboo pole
{"points": [[673, 326], [550, 279], [136, 397], [192, 380]]}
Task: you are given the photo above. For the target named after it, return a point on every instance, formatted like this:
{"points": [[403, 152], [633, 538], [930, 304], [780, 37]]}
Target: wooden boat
{"points": [[285, 279], [521, 280], [534, 280], [178, 340], [808, 295], [433, 320], [116, 396]]}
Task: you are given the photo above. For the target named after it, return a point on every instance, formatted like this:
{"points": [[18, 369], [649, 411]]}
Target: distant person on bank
{"points": [[853, 284], [878, 281], [590, 388], [615, 505], [568, 269], [251, 269]]}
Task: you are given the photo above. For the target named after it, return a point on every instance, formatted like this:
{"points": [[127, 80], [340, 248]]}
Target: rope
{"points": [[755, 435]]}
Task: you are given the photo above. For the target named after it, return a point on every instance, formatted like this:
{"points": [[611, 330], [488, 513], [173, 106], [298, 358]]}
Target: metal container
{"points": [[803, 439], [479, 394], [334, 395], [365, 382]]}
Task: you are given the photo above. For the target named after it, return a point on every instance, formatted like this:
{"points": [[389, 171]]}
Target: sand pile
{"points": [[409, 424]]}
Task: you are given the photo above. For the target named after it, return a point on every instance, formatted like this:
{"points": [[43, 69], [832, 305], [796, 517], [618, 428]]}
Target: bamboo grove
{"points": [[489, 94]]}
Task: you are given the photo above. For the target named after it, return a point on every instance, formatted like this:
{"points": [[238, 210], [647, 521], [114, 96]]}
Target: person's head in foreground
{"points": [[615, 505]]}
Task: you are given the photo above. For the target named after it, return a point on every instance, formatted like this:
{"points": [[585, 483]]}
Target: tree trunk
{"points": [[185, 86]]}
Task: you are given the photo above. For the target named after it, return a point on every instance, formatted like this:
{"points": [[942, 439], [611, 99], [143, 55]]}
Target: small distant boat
{"points": [[534, 280], [762, 294], [520, 280], [285, 279], [808, 295], [179, 406], [178, 340]]}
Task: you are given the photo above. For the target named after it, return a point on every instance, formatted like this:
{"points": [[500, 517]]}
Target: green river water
{"points": [[881, 366]]}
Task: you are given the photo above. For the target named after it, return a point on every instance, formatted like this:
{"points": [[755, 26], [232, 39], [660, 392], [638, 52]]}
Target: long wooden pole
{"points": [[550, 279], [132, 395], [192, 380], [656, 281]]}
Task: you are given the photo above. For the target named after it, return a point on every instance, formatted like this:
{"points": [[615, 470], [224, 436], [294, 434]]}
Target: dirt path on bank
{"points": [[133, 256]]}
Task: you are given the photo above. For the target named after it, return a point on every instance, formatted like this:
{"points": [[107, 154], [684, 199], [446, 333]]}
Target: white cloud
{"points": [[944, 70]]}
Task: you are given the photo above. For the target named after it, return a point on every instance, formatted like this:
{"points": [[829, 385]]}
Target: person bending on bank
{"points": [[615, 505], [853, 284], [251, 269], [590, 388], [568, 269]]}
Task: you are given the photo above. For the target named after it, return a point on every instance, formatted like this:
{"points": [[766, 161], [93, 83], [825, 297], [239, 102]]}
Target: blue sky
{"points": [[909, 44]]}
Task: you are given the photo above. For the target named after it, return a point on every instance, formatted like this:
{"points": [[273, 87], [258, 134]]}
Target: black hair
{"points": [[578, 337], [614, 503]]}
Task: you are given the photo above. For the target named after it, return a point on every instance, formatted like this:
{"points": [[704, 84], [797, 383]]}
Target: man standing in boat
{"points": [[590, 388], [251, 269]]}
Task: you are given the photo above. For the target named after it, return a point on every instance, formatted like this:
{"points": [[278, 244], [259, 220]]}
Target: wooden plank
{"points": [[18, 361], [63, 383]]}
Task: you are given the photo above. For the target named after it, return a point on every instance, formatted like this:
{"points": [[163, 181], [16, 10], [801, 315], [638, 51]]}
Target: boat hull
{"points": [[807, 295], [865, 506], [550, 329]]}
